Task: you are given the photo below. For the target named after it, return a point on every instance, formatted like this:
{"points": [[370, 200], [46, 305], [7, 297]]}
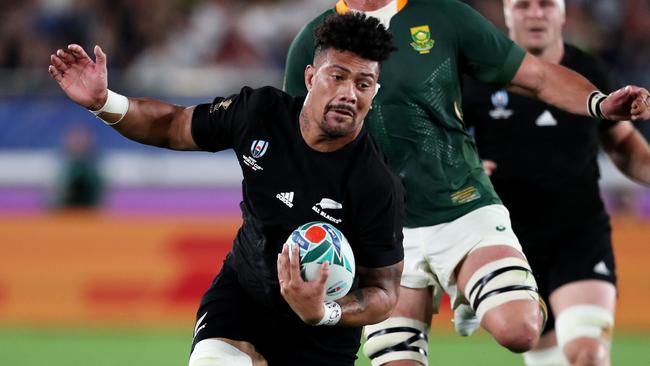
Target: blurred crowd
{"points": [[137, 33], [256, 33]]}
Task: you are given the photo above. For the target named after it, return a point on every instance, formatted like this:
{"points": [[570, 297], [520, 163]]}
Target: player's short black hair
{"points": [[357, 33]]}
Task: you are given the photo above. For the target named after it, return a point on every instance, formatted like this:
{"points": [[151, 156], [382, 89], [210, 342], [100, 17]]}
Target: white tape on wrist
{"points": [[332, 313], [116, 107], [594, 102]]}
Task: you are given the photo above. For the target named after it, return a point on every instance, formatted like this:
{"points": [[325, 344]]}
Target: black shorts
{"points": [[279, 335], [561, 253]]}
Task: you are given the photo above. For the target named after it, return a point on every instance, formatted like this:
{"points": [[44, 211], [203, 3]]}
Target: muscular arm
{"points": [[156, 123], [629, 151], [147, 121], [375, 298], [567, 90], [553, 84]]}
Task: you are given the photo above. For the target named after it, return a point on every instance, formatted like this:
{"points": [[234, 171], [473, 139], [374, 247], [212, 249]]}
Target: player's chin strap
{"points": [[502, 281], [396, 338]]}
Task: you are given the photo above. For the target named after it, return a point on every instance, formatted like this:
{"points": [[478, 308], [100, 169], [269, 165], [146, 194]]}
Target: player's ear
{"points": [[310, 71]]}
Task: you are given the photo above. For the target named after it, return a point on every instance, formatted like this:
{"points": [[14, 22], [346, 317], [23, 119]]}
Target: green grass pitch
{"points": [[56, 347]]}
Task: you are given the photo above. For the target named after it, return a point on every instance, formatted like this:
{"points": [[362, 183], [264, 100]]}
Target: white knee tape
{"points": [[499, 282], [580, 321], [546, 357], [396, 338], [213, 352]]}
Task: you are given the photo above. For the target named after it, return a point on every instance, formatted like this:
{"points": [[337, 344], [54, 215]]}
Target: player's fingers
{"points": [[54, 73], [65, 56], [283, 269], [324, 273], [78, 52], [100, 57], [294, 264], [56, 62]]}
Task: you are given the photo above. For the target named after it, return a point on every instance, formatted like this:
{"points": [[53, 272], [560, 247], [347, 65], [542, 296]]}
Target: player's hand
{"points": [[489, 166], [82, 80], [628, 103], [305, 297]]}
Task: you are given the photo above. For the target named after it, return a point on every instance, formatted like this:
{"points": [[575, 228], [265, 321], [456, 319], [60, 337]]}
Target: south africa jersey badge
{"points": [[422, 41]]}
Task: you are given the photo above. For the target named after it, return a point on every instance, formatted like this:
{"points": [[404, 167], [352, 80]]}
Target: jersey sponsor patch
{"points": [[286, 198], [465, 195], [546, 119], [421, 36], [500, 101]]}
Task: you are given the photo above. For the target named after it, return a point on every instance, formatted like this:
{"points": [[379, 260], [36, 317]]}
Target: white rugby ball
{"points": [[321, 242]]}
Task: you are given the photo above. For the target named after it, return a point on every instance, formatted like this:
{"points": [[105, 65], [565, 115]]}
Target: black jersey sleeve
{"points": [[380, 226], [219, 125]]}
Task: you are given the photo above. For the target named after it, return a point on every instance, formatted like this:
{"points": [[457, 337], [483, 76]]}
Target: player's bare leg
{"points": [[415, 304], [516, 324], [591, 304]]}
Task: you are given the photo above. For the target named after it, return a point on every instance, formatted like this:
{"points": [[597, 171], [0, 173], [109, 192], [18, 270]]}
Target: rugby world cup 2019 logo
{"points": [[500, 101], [258, 148], [422, 41]]}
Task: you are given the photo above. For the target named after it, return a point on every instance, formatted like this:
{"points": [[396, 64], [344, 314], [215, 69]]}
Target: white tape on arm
{"points": [[594, 101], [332, 313], [114, 110]]}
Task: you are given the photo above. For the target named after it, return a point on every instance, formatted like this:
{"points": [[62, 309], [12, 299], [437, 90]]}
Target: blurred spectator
{"points": [[80, 183]]}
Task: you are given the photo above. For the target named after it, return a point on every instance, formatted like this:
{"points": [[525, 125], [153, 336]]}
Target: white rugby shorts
{"points": [[431, 253]]}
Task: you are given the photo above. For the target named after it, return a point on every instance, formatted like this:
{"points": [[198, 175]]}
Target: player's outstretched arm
{"points": [[147, 121], [371, 303], [629, 151], [566, 89]]}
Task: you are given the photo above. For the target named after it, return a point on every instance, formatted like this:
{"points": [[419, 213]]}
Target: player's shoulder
{"points": [[266, 98], [584, 62]]}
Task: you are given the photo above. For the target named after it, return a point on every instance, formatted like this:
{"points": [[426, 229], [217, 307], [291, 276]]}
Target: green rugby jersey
{"points": [[416, 118]]}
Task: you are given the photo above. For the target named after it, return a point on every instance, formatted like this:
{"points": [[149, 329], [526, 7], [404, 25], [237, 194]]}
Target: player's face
{"points": [[341, 87], [535, 24]]}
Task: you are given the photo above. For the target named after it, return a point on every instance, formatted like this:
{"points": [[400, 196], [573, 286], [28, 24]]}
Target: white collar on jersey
{"points": [[385, 13]]}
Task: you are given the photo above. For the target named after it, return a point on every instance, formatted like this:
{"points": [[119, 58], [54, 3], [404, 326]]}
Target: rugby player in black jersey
{"points": [[294, 153], [543, 164]]}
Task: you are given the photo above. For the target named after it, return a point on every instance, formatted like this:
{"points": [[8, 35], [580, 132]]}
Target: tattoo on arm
{"points": [[377, 292]]}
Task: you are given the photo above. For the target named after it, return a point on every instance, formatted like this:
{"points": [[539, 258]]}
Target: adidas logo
{"points": [[601, 268], [286, 198], [546, 119]]}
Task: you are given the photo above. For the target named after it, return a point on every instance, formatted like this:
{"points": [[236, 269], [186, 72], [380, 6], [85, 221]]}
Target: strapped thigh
{"points": [[396, 338], [499, 282]]}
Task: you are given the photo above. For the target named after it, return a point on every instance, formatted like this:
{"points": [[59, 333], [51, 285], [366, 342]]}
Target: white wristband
{"points": [[116, 105], [596, 98], [332, 313]]}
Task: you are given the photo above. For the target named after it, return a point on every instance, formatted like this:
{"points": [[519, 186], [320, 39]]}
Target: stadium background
{"points": [[118, 283]]}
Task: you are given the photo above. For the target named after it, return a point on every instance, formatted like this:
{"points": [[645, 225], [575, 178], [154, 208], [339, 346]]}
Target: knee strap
{"points": [[396, 338], [499, 282], [590, 321]]}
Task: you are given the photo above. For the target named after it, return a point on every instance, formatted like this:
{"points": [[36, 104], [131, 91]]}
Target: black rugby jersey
{"points": [[287, 184], [546, 158]]}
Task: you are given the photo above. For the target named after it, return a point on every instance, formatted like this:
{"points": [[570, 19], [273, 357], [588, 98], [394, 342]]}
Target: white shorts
{"points": [[431, 253]]}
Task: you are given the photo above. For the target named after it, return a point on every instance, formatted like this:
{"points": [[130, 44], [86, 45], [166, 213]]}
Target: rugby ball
{"points": [[321, 242]]}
